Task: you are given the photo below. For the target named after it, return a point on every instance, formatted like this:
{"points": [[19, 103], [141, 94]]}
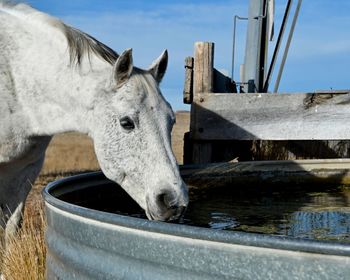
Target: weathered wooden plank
{"points": [[188, 86], [248, 150], [266, 174], [203, 82], [203, 67], [264, 116], [202, 152], [223, 83], [297, 149]]}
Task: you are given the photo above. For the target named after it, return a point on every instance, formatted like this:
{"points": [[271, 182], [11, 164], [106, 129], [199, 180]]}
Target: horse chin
{"points": [[167, 216]]}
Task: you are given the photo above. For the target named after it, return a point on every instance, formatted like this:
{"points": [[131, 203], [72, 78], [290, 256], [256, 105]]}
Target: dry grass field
{"points": [[67, 154]]}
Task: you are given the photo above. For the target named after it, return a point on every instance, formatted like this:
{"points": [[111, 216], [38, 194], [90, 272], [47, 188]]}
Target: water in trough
{"points": [[302, 214]]}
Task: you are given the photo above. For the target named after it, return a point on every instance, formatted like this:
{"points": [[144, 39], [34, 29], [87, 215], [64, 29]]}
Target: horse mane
{"points": [[79, 43]]}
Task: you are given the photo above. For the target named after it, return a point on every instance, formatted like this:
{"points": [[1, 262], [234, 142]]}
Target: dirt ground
{"points": [[72, 153]]}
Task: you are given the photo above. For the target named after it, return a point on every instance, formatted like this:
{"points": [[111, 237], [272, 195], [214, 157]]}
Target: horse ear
{"points": [[159, 66], [123, 67]]}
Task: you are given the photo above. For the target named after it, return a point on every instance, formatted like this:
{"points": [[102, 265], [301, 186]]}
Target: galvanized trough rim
{"points": [[179, 230]]}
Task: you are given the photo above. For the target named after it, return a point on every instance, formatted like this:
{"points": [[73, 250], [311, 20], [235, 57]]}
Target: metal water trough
{"points": [[88, 244]]}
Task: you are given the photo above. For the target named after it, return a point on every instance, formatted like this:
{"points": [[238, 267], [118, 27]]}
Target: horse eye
{"points": [[127, 123]]}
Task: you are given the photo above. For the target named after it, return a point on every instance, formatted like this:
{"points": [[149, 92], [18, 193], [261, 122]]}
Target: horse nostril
{"points": [[167, 200]]}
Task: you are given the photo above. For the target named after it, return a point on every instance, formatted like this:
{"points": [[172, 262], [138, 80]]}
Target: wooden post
{"points": [[203, 67], [203, 84], [188, 87]]}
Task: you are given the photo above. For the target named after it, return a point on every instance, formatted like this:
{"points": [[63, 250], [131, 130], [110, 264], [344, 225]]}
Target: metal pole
{"points": [[287, 46], [234, 43], [263, 50], [254, 39], [278, 45]]}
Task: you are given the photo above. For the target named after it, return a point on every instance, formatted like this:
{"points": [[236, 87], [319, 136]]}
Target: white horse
{"points": [[53, 79]]}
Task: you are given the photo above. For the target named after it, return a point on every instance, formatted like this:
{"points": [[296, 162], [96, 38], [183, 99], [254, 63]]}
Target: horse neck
{"points": [[55, 96]]}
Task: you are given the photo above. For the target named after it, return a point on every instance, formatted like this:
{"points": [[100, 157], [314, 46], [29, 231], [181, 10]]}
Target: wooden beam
{"points": [[305, 116], [283, 174]]}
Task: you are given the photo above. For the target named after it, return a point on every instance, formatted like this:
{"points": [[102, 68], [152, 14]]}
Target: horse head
{"points": [[132, 138]]}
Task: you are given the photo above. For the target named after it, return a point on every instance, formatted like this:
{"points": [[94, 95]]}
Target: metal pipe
{"points": [[287, 46], [278, 45], [255, 50], [234, 43], [263, 50], [265, 12]]}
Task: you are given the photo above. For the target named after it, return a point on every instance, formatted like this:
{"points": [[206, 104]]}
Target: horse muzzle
{"points": [[166, 206]]}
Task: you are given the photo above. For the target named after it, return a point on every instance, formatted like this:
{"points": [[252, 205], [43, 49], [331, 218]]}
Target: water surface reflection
{"points": [[314, 215]]}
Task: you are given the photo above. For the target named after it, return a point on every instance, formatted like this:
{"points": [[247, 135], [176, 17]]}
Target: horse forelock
{"points": [[150, 87], [145, 81]]}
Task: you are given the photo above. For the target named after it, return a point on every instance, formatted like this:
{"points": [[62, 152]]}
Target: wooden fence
{"points": [[252, 126]]}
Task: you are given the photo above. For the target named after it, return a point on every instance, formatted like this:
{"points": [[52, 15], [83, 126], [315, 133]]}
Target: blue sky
{"points": [[319, 57]]}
